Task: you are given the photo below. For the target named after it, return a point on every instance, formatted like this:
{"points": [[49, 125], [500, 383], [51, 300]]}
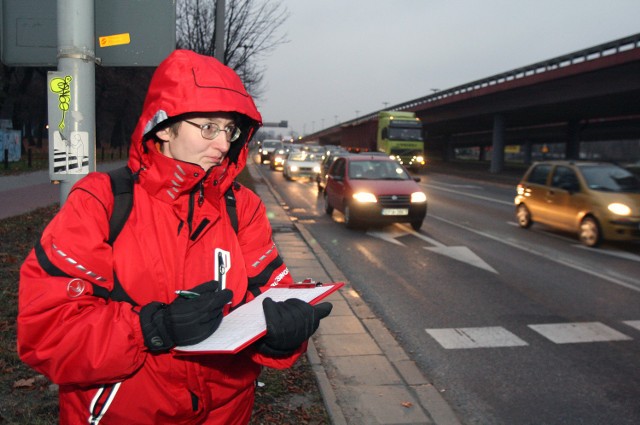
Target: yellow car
{"points": [[596, 200]]}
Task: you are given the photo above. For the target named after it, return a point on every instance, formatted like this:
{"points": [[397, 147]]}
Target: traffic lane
{"points": [[508, 252], [300, 194], [500, 194], [494, 218], [384, 286], [413, 291]]}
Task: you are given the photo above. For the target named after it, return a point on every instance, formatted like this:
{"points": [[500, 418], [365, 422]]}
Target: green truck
{"points": [[399, 135]]}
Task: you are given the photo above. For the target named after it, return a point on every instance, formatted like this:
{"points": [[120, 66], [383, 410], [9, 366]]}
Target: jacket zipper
{"points": [[199, 190]]}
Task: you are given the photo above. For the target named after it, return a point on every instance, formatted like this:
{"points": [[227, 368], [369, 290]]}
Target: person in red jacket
{"points": [[100, 320]]}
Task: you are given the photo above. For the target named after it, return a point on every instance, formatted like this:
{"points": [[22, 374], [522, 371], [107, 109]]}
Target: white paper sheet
{"points": [[246, 324]]}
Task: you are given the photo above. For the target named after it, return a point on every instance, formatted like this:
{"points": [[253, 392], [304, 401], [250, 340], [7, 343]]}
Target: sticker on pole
{"points": [[68, 150], [114, 40]]}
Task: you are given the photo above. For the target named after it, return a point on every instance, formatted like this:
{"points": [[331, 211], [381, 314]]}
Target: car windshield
{"points": [[610, 178], [299, 156], [403, 133], [377, 170]]}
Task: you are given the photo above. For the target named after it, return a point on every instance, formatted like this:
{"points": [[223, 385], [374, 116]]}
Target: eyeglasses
{"points": [[210, 131]]}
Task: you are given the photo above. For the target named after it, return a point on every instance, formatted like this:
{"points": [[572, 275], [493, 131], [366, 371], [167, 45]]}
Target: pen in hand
{"points": [[187, 294]]}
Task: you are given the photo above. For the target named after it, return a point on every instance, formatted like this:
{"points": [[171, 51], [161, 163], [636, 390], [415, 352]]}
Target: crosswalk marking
{"points": [[570, 333], [558, 333], [633, 323], [456, 338]]}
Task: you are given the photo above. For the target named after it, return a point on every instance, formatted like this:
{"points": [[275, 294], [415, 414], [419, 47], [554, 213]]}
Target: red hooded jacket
{"points": [[93, 347]]}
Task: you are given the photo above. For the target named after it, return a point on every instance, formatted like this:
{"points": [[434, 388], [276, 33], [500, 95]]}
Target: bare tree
{"points": [[251, 34]]}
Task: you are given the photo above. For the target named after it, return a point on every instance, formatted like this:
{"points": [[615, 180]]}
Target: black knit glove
{"points": [[185, 321], [289, 324]]}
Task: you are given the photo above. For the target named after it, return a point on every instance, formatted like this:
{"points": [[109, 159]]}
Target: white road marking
{"points": [[464, 254], [470, 195], [613, 253], [532, 251], [487, 337], [633, 323], [387, 236], [558, 333], [571, 333], [460, 253]]}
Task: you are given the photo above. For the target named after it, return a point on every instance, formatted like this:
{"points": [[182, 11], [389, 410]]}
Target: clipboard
{"points": [[247, 324]]}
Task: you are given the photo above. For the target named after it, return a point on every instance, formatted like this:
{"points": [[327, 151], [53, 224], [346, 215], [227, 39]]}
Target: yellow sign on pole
{"points": [[115, 40]]}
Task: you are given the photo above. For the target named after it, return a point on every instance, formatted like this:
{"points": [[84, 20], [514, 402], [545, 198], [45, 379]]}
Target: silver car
{"points": [[301, 164]]}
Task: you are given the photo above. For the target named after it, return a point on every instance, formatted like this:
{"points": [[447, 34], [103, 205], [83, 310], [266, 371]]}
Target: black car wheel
{"points": [[416, 225], [589, 232], [349, 220], [524, 216], [327, 206]]}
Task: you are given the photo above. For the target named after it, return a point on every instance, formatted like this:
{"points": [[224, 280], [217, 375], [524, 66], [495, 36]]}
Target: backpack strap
{"points": [[122, 188], [230, 199]]}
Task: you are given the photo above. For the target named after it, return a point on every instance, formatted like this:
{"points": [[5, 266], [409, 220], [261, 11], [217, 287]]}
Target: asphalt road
{"points": [[513, 326]]}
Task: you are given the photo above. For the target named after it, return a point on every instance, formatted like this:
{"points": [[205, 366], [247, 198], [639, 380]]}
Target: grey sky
{"points": [[345, 56]]}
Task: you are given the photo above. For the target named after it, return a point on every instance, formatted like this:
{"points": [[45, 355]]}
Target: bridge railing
{"points": [[606, 49]]}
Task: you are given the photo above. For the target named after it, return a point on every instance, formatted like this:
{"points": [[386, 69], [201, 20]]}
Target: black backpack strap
{"points": [[122, 187], [230, 199]]}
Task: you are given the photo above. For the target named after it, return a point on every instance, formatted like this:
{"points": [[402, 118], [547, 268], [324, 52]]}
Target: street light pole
{"points": [[76, 59], [219, 31]]}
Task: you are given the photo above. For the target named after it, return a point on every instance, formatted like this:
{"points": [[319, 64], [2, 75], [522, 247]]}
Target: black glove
{"points": [[289, 324], [185, 321]]}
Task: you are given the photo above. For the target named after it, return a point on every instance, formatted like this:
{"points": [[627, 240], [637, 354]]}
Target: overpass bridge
{"points": [[588, 95]]}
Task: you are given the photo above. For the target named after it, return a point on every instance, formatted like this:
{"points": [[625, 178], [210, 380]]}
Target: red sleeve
{"points": [[64, 331], [265, 267]]}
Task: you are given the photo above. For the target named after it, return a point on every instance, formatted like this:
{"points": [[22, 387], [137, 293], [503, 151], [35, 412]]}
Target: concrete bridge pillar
{"points": [[572, 147], [447, 149], [527, 148], [497, 157]]}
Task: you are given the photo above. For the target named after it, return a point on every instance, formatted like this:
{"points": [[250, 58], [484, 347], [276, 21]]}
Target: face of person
{"points": [[185, 142]]}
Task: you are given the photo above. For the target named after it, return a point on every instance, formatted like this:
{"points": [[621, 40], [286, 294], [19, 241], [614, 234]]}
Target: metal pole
{"points": [[76, 58], [219, 30]]}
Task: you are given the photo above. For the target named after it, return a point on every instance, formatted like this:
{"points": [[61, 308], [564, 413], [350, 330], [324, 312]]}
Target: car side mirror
{"points": [[416, 179]]}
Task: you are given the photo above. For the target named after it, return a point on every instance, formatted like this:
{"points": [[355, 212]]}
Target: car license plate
{"points": [[395, 211]]}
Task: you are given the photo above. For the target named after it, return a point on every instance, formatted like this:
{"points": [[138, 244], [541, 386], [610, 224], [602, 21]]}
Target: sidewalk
{"points": [[15, 200], [364, 375]]}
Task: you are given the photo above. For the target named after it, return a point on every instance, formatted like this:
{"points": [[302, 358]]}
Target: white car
{"points": [[268, 148], [301, 164]]}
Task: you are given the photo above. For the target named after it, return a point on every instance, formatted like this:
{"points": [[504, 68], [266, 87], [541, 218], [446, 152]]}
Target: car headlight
{"points": [[365, 197], [619, 209], [419, 159], [316, 169], [293, 168], [418, 197]]}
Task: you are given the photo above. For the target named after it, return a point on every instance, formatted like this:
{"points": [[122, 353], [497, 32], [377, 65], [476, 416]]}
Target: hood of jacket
{"points": [[186, 83]]}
